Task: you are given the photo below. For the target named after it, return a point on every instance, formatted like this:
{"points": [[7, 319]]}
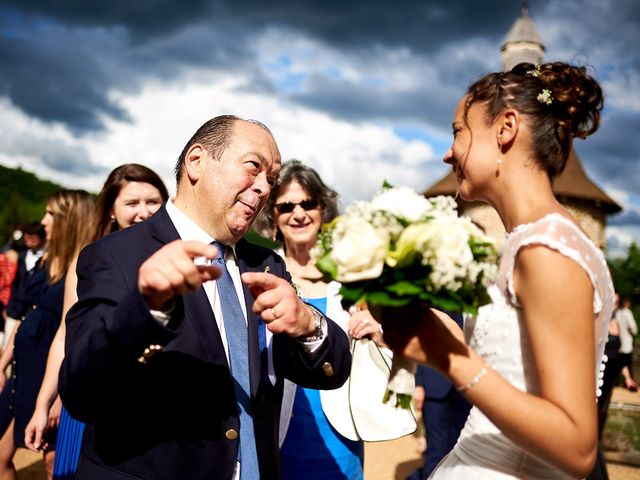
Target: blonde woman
{"points": [[66, 227], [130, 195]]}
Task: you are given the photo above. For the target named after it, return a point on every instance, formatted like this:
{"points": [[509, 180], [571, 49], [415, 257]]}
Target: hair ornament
{"points": [[535, 72], [545, 96]]}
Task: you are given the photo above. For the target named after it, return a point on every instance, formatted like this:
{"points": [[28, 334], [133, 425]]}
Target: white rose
{"points": [[453, 241], [402, 202], [358, 250], [414, 240]]}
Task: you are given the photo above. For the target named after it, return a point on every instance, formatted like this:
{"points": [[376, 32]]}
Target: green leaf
{"points": [[405, 287], [384, 299], [326, 265], [352, 293]]}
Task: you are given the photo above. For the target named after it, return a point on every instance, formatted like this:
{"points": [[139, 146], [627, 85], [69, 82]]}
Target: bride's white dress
{"points": [[499, 336]]}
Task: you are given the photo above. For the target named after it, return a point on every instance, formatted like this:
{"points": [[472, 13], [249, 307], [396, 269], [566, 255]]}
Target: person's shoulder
{"points": [[125, 245], [253, 253]]}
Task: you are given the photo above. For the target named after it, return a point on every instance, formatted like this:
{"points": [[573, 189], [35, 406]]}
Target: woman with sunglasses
{"points": [[299, 204]]}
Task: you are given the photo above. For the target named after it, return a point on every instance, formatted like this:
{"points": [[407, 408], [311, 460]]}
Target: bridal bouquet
{"points": [[401, 248]]}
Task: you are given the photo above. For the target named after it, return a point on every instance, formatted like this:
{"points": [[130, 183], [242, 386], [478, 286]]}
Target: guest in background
{"points": [[8, 268], [35, 243], [67, 230], [299, 204], [611, 369], [628, 331], [130, 195]]}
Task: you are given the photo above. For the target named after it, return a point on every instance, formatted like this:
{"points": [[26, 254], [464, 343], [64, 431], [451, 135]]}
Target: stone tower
{"points": [[586, 201]]}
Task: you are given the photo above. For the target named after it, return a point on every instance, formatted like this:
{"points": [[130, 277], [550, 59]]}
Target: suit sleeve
{"points": [[326, 369], [107, 330]]}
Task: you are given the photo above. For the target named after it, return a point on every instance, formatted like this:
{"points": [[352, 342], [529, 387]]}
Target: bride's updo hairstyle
{"points": [[560, 102]]}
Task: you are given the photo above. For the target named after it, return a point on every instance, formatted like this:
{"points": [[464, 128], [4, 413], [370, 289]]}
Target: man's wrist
{"points": [[318, 323]]}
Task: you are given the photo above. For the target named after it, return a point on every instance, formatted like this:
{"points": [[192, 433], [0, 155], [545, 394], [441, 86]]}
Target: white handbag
{"points": [[356, 410]]}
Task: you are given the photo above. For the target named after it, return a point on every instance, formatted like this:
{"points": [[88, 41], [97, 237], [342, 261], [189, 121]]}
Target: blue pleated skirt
{"points": [[68, 446]]}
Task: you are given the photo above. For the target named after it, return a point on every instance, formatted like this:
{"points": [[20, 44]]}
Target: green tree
{"points": [[22, 199], [625, 272]]}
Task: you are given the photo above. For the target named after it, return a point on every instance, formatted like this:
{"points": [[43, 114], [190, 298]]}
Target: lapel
{"points": [[197, 308], [258, 363]]}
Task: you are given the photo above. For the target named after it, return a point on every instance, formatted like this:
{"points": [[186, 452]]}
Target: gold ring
{"points": [[273, 312]]}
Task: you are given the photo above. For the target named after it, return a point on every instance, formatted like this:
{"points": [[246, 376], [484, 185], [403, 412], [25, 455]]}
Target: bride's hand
{"points": [[425, 336]]}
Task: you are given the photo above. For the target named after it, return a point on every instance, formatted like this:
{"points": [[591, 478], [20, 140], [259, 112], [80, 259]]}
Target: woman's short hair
{"points": [[310, 181]]}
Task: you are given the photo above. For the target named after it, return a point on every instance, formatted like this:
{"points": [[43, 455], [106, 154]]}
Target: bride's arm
{"points": [[559, 426]]}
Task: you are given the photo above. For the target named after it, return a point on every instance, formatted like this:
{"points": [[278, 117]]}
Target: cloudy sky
{"points": [[361, 91]]}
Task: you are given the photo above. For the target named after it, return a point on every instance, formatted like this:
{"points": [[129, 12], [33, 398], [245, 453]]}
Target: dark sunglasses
{"points": [[288, 207]]}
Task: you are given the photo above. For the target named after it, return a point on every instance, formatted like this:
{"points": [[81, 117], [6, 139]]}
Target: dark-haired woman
{"points": [[312, 447], [532, 362], [131, 194], [66, 230]]}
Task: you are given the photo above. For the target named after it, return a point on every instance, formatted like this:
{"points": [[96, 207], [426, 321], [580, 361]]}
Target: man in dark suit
{"points": [[152, 361], [444, 412]]}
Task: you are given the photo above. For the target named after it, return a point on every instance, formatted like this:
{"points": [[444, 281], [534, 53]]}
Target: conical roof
{"points": [[572, 183], [523, 30], [522, 43]]}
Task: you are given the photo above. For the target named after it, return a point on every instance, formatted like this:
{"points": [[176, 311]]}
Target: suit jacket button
{"points": [[149, 352], [231, 434], [327, 369]]}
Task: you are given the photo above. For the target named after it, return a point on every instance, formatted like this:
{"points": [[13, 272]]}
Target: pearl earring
{"points": [[499, 161]]}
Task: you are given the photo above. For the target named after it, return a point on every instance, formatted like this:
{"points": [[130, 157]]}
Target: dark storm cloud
{"points": [[54, 75], [421, 25], [141, 17], [64, 72], [627, 218], [59, 59], [612, 154]]}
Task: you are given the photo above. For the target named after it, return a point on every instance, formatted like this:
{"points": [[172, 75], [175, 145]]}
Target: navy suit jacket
{"points": [[19, 301], [170, 417]]}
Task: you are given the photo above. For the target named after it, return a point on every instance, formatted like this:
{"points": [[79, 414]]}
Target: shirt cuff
{"points": [[312, 342], [163, 316]]}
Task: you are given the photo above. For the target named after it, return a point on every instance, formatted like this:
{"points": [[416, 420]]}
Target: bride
{"points": [[531, 362]]}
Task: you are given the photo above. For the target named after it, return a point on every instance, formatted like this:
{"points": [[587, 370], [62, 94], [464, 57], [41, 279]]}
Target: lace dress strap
{"points": [[560, 234]]}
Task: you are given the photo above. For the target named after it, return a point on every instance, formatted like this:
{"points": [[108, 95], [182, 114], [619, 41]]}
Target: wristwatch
{"points": [[318, 320]]}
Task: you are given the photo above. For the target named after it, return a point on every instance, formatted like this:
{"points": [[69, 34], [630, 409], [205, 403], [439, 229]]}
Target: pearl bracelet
{"points": [[474, 381]]}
